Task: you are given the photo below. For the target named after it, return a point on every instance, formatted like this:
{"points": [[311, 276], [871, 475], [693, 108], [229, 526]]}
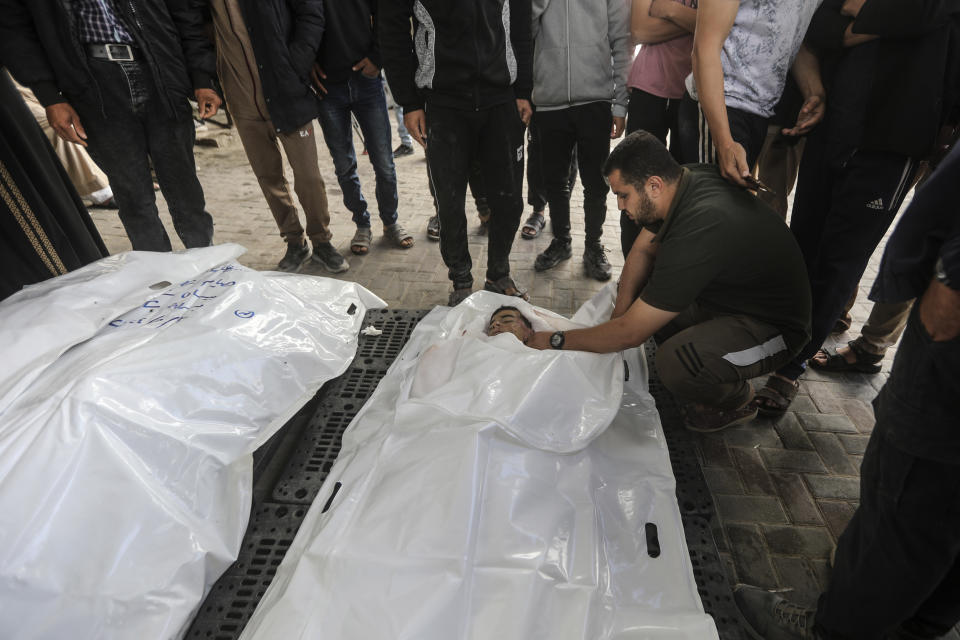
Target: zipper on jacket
{"points": [[151, 62]]}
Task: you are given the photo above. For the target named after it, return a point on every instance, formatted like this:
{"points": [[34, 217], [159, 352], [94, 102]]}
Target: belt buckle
{"points": [[123, 48]]}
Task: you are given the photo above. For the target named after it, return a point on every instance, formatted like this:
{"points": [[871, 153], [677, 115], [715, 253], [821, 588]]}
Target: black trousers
{"points": [[842, 208], [658, 116], [494, 137], [898, 561], [696, 140], [126, 132], [536, 191], [586, 128]]}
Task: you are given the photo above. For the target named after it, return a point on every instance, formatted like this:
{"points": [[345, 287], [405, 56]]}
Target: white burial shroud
{"points": [[491, 491], [128, 416]]}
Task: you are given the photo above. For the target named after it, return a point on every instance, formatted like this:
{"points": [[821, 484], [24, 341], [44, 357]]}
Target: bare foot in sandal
{"points": [[360, 245], [398, 236], [776, 396], [533, 225]]}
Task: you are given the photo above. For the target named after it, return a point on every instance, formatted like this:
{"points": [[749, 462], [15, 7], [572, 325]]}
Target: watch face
{"points": [[556, 340]]}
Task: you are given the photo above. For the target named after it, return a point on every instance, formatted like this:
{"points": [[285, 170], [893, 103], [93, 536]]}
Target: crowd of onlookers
{"points": [[729, 105]]}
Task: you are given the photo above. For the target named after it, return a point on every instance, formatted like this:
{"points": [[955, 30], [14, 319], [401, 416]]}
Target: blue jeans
{"points": [[364, 97]]}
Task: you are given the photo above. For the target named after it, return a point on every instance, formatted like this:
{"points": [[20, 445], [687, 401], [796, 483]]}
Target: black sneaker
{"points": [[329, 258], [294, 258], [771, 617], [558, 251], [433, 228], [403, 150], [595, 263]]}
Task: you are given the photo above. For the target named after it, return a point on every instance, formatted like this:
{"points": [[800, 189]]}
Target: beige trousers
{"points": [[262, 146]]}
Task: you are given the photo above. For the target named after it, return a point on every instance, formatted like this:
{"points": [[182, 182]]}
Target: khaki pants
{"points": [[260, 142], [709, 358]]}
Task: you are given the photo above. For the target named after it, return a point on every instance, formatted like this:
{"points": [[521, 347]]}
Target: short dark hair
{"points": [[519, 313], [640, 156]]}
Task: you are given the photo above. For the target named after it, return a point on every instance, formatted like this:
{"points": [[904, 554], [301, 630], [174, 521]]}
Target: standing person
{"points": [[278, 107], [465, 92], [347, 75], [581, 106], [664, 28], [894, 83], [896, 573], [116, 78], [742, 51]]}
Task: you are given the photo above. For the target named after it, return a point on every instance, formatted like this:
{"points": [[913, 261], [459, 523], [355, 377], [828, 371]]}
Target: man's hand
{"points": [[207, 103], [851, 7], [540, 340], [66, 123], [367, 68], [661, 9], [416, 124], [940, 311], [732, 159], [619, 124], [811, 113], [316, 75], [525, 110]]}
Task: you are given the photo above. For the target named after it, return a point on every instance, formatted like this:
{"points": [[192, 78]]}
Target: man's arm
{"points": [[198, 54], [806, 72], [898, 19], [629, 330], [521, 38], [308, 28], [649, 29], [636, 271], [396, 48], [24, 55], [715, 18], [620, 52]]}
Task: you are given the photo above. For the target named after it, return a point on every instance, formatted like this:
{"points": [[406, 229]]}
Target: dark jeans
{"points": [[696, 141], [898, 561], [842, 208], [131, 128], [365, 99], [494, 137], [536, 191], [658, 116], [586, 128]]}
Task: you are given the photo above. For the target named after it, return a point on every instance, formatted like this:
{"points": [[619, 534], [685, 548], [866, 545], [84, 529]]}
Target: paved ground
{"points": [[784, 490]]}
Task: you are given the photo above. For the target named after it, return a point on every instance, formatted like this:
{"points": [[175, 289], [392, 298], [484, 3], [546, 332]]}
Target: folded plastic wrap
{"points": [[135, 391], [459, 515]]}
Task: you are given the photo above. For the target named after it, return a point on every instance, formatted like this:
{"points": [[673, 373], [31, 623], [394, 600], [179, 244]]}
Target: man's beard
{"points": [[647, 214]]}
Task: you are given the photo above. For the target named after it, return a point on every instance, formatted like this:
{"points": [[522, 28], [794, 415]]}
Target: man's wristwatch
{"points": [[556, 340]]}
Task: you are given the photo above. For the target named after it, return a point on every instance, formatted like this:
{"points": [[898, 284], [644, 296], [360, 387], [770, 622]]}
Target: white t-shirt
{"points": [[759, 51]]}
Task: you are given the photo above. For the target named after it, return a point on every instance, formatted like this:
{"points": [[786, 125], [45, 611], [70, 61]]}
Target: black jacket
{"points": [[350, 37], [40, 47], [891, 94], [462, 58], [285, 35]]}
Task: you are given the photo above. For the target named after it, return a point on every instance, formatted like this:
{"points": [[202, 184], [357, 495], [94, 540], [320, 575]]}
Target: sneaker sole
{"points": [[295, 269], [602, 278], [328, 269]]}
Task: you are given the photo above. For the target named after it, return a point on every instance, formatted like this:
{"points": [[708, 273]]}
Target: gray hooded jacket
{"points": [[582, 53]]}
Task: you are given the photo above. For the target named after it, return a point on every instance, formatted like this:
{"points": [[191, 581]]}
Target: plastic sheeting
{"points": [[490, 491], [134, 393]]}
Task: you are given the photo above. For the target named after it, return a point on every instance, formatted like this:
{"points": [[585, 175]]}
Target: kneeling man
{"points": [[714, 273]]}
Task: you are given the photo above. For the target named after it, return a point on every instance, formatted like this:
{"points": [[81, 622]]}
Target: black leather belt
{"points": [[113, 52]]}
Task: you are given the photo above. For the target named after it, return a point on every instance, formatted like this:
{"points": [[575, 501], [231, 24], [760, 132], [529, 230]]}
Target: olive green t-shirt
{"points": [[722, 248]]}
